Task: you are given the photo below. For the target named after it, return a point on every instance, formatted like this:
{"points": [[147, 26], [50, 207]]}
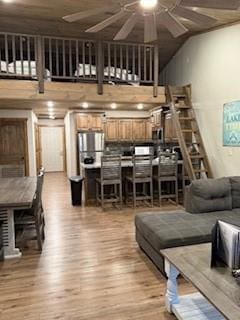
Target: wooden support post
{"points": [[100, 67], [156, 71], [40, 65]]}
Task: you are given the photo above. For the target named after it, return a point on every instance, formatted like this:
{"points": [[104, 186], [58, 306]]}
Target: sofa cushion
{"points": [[208, 195], [175, 229], [235, 186]]}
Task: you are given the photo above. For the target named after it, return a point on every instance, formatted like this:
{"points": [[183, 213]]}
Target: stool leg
{"points": [[176, 191], [160, 193], [97, 192], [151, 192], [134, 195], [120, 195], [126, 190], [102, 196]]}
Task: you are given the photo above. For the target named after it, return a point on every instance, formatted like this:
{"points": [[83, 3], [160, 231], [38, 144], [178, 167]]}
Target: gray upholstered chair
{"points": [[168, 174], [142, 175], [111, 176]]}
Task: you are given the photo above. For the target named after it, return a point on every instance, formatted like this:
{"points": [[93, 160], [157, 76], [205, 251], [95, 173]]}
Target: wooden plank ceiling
{"points": [[45, 17]]}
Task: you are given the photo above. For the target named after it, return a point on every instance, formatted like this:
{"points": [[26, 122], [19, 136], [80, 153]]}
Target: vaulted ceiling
{"points": [[45, 17]]}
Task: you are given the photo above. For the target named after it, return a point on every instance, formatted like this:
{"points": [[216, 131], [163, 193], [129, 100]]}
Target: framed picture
{"points": [[231, 124]]}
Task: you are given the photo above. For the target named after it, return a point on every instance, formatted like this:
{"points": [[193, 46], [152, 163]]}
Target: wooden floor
{"points": [[90, 267]]}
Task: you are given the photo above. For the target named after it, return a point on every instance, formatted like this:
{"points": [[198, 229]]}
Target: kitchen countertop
{"points": [[125, 164]]}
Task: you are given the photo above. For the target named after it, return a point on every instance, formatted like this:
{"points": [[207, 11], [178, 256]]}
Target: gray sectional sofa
{"points": [[206, 201]]}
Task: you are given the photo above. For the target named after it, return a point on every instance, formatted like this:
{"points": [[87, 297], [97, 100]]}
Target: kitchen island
{"points": [[92, 171]]}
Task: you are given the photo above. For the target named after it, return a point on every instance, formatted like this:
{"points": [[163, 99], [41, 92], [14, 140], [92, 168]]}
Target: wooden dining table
{"points": [[15, 194]]}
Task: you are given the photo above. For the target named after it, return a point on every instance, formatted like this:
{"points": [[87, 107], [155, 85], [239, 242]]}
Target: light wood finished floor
{"points": [[90, 268]]}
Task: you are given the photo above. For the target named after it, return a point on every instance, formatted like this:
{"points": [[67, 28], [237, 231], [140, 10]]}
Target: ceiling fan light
{"points": [[148, 4]]}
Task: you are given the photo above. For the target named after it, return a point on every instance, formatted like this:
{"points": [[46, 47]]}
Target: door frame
{"points": [[26, 154], [64, 143]]}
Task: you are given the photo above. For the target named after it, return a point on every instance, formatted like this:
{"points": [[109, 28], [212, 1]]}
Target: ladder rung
{"points": [[179, 95], [186, 118], [197, 157], [200, 171], [182, 107], [188, 130]]}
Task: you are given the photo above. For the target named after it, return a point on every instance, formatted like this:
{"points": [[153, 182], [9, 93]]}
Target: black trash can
{"points": [[76, 190]]}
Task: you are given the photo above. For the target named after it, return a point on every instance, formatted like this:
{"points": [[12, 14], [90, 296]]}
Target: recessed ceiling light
{"points": [[85, 105], [7, 1], [140, 106], [148, 4], [50, 104], [114, 106]]}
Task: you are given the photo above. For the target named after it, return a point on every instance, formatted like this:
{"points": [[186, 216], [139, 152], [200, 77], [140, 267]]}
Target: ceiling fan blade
{"points": [[172, 24], [198, 18], [214, 4], [150, 29], [102, 25], [84, 14], [127, 27]]}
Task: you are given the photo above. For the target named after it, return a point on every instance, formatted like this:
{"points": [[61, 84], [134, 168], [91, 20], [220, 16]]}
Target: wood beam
{"points": [[64, 91]]}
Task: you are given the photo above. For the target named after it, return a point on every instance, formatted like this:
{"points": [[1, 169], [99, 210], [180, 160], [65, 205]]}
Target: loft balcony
{"points": [[47, 59]]}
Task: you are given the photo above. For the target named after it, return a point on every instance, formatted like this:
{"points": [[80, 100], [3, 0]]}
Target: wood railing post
{"points": [[100, 67], [156, 71], [40, 64]]}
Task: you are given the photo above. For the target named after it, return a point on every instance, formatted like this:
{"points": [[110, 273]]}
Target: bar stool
{"points": [[142, 174], [111, 175], [168, 173]]}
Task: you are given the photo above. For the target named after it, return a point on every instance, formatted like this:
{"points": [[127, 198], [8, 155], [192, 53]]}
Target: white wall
{"points": [[210, 63], [50, 122], [71, 144], [31, 120]]}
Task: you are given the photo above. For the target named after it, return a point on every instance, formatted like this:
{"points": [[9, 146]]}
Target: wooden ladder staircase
{"points": [[189, 137]]}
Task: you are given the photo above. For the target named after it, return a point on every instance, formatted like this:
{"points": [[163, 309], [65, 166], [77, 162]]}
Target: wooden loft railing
{"points": [[62, 59]]}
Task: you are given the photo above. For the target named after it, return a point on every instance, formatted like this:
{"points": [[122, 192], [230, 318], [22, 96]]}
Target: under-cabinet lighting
{"points": [[52, 117], [140, 106]]}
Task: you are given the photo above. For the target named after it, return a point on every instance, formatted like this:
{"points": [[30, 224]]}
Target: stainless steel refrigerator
{"points": [[90, 144]]}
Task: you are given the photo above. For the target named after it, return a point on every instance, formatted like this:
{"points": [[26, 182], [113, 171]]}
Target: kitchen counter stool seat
{"points": [[142, 174], [168, 173], [110, 176]]}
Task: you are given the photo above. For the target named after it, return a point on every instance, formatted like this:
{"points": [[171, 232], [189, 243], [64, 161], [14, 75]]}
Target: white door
{"points": [[52, 148]]}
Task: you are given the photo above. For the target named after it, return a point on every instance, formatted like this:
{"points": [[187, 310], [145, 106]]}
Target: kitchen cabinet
{"points": [[139, 129], [149, 130], [96, 122], [125, 130], [157, 118], [89, 122], [169, 130], [111, 130], [119, 129]]}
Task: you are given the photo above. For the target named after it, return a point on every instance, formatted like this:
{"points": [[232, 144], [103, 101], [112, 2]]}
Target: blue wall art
{"points": [[231, 124]]}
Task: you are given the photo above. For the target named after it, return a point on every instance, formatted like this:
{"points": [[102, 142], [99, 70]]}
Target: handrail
{"points": [[53, 58]]}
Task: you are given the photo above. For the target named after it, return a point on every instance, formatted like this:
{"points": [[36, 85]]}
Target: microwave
{"points": [[157, 135]]}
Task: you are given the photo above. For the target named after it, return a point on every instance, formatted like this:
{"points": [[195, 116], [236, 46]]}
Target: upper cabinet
{"points": [[170, 131], [128, 129], [157, 118], [88, 122], [125, 129], [111, 130], [139, 129]]}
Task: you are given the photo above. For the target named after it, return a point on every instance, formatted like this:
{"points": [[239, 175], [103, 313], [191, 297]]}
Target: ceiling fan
{"points": [[153, 13]]}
